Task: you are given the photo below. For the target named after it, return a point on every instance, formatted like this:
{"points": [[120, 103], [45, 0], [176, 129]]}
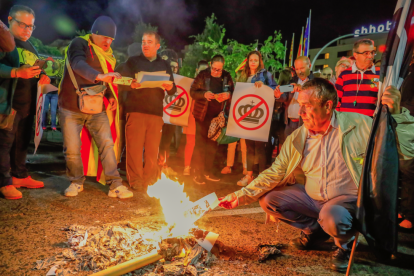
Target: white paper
{"points": [[197, 209], [208, 242], [251, 112], [152, 79], [40, 101], [177, 107], [52, 270], [83, 243]]}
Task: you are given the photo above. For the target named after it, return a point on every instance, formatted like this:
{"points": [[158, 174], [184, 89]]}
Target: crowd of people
{"points": [[319, 131]]}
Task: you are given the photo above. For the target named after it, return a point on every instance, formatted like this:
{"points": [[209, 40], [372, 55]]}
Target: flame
{"points": [[175, 204]]}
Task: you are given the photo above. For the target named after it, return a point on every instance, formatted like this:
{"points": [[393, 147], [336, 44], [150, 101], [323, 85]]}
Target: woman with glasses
{"points": [[342, 65], [254, 72], [211, 89]]}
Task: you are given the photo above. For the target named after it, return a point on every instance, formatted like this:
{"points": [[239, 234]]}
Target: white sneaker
{"points": [[226, 170], [120, 192], [245, 181], [73, 189], [187, 170]]}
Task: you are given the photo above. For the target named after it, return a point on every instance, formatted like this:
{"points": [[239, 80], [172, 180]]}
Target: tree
{"points": [[211, 42], [44, 49]]}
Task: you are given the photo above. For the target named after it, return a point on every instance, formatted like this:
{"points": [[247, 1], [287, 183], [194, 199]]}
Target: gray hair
{"points": [[20, 8], [364, 41], [324, 91]]}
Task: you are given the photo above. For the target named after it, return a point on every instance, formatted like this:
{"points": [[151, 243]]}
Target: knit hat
{"points": [[105, 26]]}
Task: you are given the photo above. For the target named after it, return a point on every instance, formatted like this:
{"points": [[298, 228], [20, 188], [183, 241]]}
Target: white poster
{"points": [[177, 107], [42, 90], [251, 112]]}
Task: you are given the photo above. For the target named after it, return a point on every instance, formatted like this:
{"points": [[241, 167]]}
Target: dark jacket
{"points": [[200, 86], [8, 61], [287, 97], [86, 67], [145, 100]]}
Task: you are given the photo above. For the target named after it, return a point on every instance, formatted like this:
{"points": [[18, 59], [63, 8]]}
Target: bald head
{"points": [[302, 67], [327, 73]]}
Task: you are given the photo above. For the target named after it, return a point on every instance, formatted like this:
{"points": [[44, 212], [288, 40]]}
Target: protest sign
{"points": [[177, 107], [251, 112]]}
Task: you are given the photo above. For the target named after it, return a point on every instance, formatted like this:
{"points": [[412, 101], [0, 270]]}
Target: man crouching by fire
{"points": [[324, 203]]}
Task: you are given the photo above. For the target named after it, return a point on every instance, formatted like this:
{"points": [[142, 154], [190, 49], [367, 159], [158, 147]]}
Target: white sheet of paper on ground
{"points": [[52, 271], [208, 242], [85, 239], [197, 209]]}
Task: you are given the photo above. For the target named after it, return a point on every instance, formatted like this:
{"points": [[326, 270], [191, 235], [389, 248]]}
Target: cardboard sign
{"points": [[177, 107], [251, 112]]}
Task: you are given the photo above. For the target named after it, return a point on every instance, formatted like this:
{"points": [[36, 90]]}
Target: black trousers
{"points": [[205, 149], [167, 134], [253, 148], [13, 149], [407, 189]]}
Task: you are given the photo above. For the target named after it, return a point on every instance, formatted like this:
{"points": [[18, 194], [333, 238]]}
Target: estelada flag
{"points": [[291, 51], [378, 189], [300, 50], [241, 66]]}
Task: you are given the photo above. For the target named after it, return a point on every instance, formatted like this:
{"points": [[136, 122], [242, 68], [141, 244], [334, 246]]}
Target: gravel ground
{"points": [[30, 228]]}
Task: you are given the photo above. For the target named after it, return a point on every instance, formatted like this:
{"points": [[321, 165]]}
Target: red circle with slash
{"points": [[250, 111], [184, 93]]}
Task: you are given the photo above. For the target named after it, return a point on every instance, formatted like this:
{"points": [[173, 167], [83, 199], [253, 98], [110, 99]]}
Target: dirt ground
{"points": [[30, 228]]}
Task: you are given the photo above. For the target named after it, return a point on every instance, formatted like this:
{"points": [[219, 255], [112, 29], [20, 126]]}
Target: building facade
{"points": [[343, 48]]}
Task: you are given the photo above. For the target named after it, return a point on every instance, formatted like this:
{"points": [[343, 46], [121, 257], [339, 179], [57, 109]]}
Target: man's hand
{"points": [[108, 77], [258, 84], [112, 102], [277, 92], [135, 84], [167, 86], [230, 201], [209, 95], [27, 72], [296, 87], [44, 80], [392, 97]]}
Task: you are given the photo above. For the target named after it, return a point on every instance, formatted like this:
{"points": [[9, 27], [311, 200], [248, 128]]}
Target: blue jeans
{"points": [[51, 99], [98, 126], [292, 205]]}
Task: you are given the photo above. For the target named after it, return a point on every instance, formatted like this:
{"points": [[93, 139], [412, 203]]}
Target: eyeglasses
{"points": [[367, 53], [24, 25], [216, 70]]}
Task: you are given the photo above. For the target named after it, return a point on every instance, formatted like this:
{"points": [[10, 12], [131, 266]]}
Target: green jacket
{"points": [[354, 134], [7, 84]]}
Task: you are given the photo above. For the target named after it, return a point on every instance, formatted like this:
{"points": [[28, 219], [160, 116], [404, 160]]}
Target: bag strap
{"points": [[72, 76]]}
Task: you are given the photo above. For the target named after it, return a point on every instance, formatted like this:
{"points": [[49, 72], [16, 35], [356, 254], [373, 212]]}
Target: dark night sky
{"points": [[244, 20]]}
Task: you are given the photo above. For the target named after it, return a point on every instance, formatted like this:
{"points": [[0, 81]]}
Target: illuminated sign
{"points": [[373, 29]]}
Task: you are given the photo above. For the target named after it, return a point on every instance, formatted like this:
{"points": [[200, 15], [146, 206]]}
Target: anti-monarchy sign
{"points": [[177, 106], [251, 112]]}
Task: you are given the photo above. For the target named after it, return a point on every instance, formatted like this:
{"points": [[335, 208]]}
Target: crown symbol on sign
{"points": [[254, 116], [177, 105]]}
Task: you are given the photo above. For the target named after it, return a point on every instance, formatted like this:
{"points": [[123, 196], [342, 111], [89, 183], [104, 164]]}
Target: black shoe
{"points": [[340, 260], [306, 242], [212, 178], [199, 180]]}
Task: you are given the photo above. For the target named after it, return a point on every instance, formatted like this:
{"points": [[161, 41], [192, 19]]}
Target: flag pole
{"points": [[291, 50], [351, 258], [284, 57], [308, 41]]}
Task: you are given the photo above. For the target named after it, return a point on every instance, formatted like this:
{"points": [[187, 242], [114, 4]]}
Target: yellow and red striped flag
{"points": [[300, 49], [241, 66]]}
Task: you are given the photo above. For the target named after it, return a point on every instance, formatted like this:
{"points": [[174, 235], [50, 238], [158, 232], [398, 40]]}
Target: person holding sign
{"points": [[144, 111], [210, 90], [313, 183], [254, 72]]}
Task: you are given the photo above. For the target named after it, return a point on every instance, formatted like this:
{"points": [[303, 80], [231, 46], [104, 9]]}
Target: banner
{"points": [[251, 112], [40, 100], [177, 107]]}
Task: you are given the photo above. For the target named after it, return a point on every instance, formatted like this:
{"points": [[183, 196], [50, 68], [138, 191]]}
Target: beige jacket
{"points": [[354, 134]]}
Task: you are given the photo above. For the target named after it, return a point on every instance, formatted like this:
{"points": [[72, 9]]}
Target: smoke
{"points": [[171, 16]]}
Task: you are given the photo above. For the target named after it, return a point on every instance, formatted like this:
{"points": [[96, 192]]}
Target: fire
{"points": [[175, 205]]}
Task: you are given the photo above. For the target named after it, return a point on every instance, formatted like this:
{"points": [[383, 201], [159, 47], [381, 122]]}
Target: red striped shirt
{"points": [[359, 87]]}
